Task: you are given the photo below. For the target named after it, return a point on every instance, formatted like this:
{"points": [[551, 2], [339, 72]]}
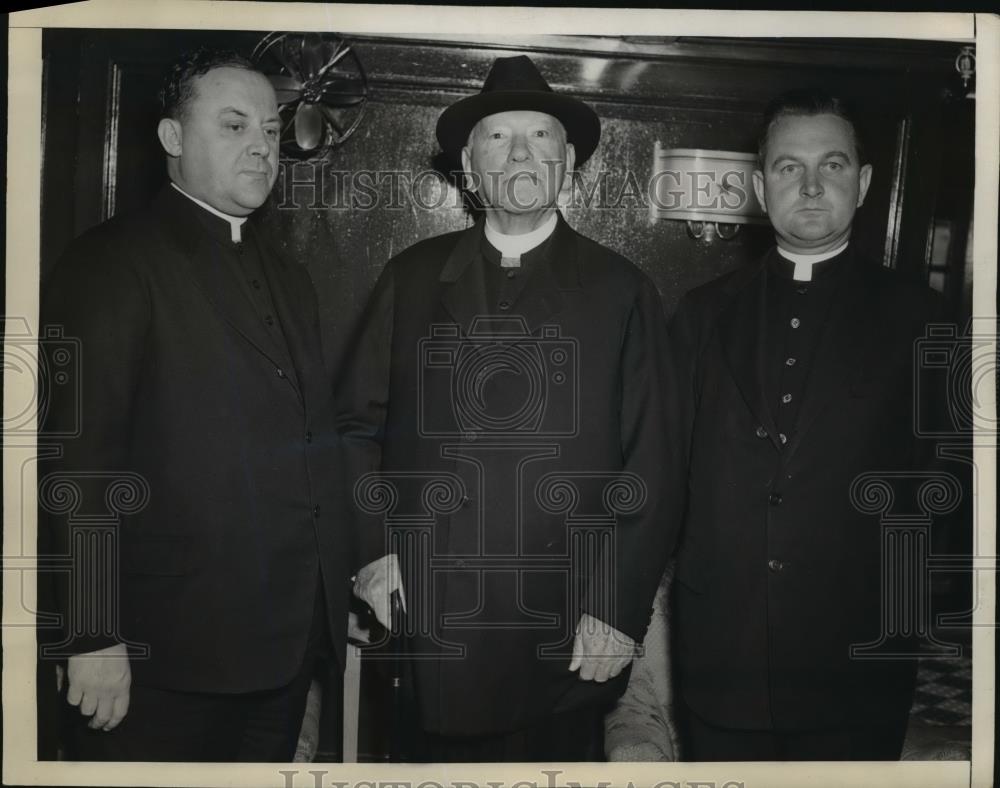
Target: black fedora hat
{"points": [[515, 83]]}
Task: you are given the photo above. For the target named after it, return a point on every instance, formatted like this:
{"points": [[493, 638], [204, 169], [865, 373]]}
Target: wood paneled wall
{"points": [[101, 153]]}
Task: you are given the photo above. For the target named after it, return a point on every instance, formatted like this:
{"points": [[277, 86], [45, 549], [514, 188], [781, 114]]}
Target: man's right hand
{"points": [[375, 583], [99, 684]]}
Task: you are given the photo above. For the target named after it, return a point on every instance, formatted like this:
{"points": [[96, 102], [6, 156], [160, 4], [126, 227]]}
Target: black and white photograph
{"points": [[437, 396]]}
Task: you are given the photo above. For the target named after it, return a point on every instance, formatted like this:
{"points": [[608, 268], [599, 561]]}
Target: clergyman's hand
{"points": [[600, 651], [99, 684], [375, 583]]}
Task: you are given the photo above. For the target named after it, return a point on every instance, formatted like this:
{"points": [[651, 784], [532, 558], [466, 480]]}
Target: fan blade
{"points": [[285, 58], [281, 82], [286, 89], [308, 126], [312, 55], [344, 84], [342, 100], [335, 58]]}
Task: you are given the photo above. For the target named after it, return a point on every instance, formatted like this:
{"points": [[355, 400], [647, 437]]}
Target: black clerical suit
{"points": [[796, 388], [546, 419], [202, 385]]}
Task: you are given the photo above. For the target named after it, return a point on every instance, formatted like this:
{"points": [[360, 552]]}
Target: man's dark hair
{"points": [[178, 81], [812, 101]]}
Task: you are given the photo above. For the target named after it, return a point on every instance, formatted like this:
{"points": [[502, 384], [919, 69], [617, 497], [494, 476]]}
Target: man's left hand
{"points": [[374, 585], [600, 651]]}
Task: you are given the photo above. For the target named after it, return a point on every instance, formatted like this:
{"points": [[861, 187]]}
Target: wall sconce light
{"points": [[707, 231], [965, 65], [710, 190]]}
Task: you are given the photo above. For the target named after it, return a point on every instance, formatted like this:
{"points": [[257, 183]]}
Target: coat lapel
{"points": [[301, 339], [557, 272], [841, 348], [464, 294], [464, 289], [741, 330], [212, 276]]}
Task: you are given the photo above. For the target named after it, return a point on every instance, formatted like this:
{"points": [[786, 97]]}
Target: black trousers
{"points": [[862, 741], [571, 736], [168, 725]]}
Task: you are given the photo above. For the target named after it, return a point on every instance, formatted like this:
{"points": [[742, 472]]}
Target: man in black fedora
{"points": [[511, 384]]}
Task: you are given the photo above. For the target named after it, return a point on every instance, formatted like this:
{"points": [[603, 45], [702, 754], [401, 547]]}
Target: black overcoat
{"points": [[528, 457], [181, 385], [779, 567]]}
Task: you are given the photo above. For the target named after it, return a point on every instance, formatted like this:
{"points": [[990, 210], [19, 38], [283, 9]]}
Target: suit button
{"points": [[309, 437], [504, 305], [316, 510], [269, 320], [761, 432], [255, 283], [775, 565], [280, 371], [774, 499]]}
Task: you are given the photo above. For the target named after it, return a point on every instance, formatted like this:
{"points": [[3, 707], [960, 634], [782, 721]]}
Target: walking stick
{"points": [[396, 706]]}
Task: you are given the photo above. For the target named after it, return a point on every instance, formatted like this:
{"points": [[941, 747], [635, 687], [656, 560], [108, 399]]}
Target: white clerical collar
{"points": [[235, 222], [804, 262], [511, 247]]}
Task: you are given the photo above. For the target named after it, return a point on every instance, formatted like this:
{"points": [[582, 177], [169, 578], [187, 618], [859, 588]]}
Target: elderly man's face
{"points": [[225, 150], [812, 182], [518, 160]]}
